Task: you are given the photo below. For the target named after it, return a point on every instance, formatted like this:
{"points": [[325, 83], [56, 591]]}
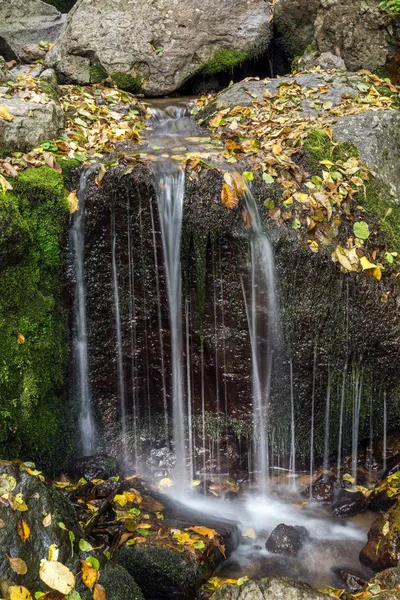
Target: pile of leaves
{"points": [[125, 512], [98, 118], [269, 138]]}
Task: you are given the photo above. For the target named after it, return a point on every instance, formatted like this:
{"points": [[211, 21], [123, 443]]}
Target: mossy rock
{"points": [[127, 82], [224, 60], [36, 421], [14, 230], [119, 585], [382, 548], [164, 572], [97, 74]]}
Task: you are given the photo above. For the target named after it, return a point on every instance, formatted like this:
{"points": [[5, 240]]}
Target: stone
{"points": [[161, 571], [156, 47], [327, 61], [323, 489], [98, 466], [31, 53], [48, 84], [355, 30], [294, 24], [388, 579], [348, 503], [5, 74], [287, 539], [118, 584], [25, 22], [32, 123], [380, 502], [376, 136], [382, 549], [353, 583], [28, 70], [269, 588]]}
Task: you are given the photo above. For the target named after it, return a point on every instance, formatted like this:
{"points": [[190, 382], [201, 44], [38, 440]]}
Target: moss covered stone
{"points": [[97, 74], [36, 422], [224, 60], [119, 585], [127, 82]]}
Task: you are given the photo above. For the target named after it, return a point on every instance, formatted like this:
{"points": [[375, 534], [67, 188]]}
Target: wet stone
{"points": [[287, 539], [353, 582], [348, 503]]}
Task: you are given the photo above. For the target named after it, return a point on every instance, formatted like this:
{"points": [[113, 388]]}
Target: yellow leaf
{"points": [[372, 269], [73, 202], [17, 592], [20, 339], [90, 575], [229, 196], [99, 592], [210, 533], [5, 114], [23, 530], [249, 533], [342, 258], [215, 121], [4, 184], [348, 477], [301, 197], [18, 565], [57, 576], [120, 499], [53, 552], [385, 528], [166, 482]]}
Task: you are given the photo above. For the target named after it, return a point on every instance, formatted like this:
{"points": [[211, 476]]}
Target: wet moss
{"points": [[97, 74], [68, 165], [35, 422], [119, 584], [224, 60], [127, 82], [376, 201]]}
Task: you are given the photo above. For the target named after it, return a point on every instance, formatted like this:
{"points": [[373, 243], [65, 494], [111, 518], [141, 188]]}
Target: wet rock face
{"points": [[27, 22], [353, 582], [98, 466], [348, 503], [383, 547], [323, 489], [287, 539], [269, 588], [172, 42]]}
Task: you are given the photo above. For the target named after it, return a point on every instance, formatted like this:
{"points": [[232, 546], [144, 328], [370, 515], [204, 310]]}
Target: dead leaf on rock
{"points": [[90, 575], [229, 197], [99, 592], [57, 576], [5, 114], [23, 530], [18, 592], [18, 565]]}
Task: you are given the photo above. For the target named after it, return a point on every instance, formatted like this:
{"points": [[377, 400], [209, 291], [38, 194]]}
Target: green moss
{"points": [[35, 421], [97, 74], [128, 83], [68, 165], [119, 585], [375, 201], [224, 60]]}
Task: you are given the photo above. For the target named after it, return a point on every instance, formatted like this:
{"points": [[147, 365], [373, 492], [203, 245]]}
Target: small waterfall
{"points": [[262, 314], [118, 328], [77, 236]]}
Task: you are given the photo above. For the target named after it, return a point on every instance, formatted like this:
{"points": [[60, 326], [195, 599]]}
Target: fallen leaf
{"points": [[18, 565], [17, 592], [385, 528], [99, 592], [90, 575], [229, 197], [47, 520], [23, 530], [5, 114], [57, 576], [73, 203], [249, 533], [371, 268]]}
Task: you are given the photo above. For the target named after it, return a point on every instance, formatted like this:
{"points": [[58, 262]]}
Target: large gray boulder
{"points": [[32, 122], [377, 138], [358, 31], [157, 45], [24, 22], [269, 588]]}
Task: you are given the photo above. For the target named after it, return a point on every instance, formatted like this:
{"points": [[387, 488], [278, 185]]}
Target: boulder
{"points": [[156, 47], [164, 571], [323, 488], [48, 84], [376, 136], [24, 22], [353, 583], [32, 122], [5, 74], [348, 503], [31, 53], [287, 539], [269, 588], [294, 24], [388, 579], [326, 61], [382, 549], [97, 466]]}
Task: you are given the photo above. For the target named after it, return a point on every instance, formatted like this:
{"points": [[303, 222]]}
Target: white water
{"points": [[86, 420], [263, 321]]}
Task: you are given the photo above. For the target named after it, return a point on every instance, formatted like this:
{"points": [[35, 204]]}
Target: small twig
{"points": [[102, 510]]}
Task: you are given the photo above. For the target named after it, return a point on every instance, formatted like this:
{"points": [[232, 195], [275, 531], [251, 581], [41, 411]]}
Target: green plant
{"points": [[392, 6]]}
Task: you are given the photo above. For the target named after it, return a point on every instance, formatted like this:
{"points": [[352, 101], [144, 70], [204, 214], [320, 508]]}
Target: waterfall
{"points": [[77, 237], [262, 313]]}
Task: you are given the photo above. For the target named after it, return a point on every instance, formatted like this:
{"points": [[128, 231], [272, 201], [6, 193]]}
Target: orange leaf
{"points": [[229, 196], [23, 530], [99, 592], [89, 574], [18, 565]]}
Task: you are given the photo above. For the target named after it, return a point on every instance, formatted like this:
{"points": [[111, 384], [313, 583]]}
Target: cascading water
{"points": [[77, 236], [264, 331]]}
